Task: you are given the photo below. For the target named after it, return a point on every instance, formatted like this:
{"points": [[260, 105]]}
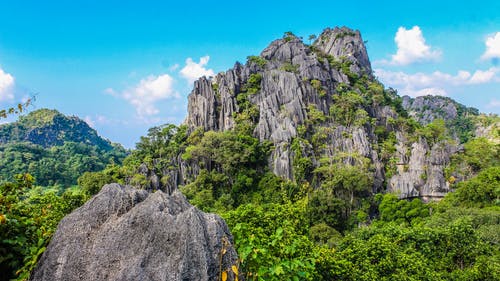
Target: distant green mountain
{"points": [[47, 128], [54, 148]]}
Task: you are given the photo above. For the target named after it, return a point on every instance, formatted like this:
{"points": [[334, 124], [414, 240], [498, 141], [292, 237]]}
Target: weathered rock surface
{"points": [[285, 90], [489, 131], [427, 108], [128, 234], [297, 78], [420, 170], [345, 42]]}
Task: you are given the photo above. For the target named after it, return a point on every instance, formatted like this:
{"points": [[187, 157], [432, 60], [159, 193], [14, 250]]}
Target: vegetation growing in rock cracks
{"points": [[325, 222]]}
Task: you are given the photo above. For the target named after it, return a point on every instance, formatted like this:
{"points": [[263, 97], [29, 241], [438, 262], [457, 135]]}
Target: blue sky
{"points": [[125, 66]]}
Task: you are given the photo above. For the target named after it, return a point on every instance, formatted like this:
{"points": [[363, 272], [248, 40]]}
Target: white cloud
{"points": [[422, 79], [412, 47], [434, 91], [481, 77], [174, 67], [192, 71], [147, 93], [6, 86], [494, 103], [111, 92], [96, 120], [89, 121], [434, 83], [492, 47]]}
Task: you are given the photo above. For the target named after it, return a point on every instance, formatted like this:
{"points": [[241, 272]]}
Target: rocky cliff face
{"points": [[420, 169], [128, 234], [324, 97], [283, 65], [426, 109]]}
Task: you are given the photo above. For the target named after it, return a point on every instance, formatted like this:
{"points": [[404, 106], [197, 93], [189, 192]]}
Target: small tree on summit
{"points": [[311, 38], [288, 36]]}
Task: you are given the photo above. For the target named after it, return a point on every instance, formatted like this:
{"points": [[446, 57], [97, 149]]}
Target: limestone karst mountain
{"points": [[293, 124], [325, 99]]}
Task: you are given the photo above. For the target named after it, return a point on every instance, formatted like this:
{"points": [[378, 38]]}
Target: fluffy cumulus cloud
{"points": [[192, 70], [435, 83], [486, 76], [147, 93], [6, 86], [412, 47], [492, 48]]}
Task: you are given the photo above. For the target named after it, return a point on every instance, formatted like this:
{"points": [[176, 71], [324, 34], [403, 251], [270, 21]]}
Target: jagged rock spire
{"points": [[345, 43], [297, 81]]}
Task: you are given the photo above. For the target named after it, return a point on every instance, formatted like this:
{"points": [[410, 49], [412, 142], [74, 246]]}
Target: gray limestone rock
{"points": [[345, 43], [490, 132], [128, 234], [426, 109], [286, 94], [203, 106], [421, 173]]}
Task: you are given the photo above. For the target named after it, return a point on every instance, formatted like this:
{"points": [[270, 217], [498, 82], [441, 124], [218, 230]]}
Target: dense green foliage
{"points": [[53, 148], [28, 217], [51, 128], [326, 223], [286, 230], [289, 231], [57, 165], [410, 241], [41, 157], [231, 167], [272, 241]]}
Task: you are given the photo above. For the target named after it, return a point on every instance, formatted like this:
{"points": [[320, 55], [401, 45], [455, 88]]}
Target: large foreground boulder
{"points": [[128, 234]]}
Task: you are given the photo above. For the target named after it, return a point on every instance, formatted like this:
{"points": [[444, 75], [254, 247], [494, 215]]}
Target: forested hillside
{"points": [[41, 157], [320, 172], [53, 148]]}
